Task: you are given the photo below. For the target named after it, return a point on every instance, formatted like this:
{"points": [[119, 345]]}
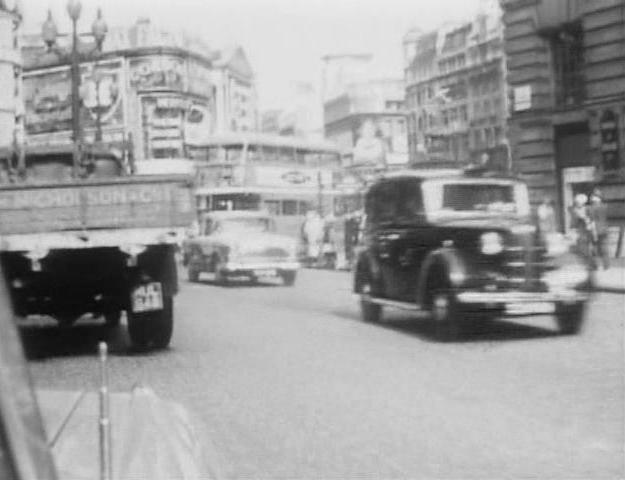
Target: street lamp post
{"points": [[49, 34], [74, 8]]}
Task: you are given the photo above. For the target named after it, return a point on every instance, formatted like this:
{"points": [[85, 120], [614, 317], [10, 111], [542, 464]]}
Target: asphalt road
{"points": [[289, 383]]}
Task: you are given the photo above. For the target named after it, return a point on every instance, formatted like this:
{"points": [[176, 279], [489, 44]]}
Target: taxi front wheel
{"points": [[445, 314]]}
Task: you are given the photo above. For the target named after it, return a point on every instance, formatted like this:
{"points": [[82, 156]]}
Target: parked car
{"points": [[240, 243], [461, 245]]}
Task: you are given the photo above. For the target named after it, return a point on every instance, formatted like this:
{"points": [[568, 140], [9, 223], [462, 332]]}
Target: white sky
{"points": [[284, 39]]}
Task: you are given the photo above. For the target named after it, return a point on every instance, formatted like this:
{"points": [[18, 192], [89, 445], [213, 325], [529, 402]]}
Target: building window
{"points": [[463, 113], [567, 51]]}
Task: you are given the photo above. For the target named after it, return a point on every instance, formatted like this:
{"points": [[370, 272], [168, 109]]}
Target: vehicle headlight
{"points": [[491, 243], [567, 276]]}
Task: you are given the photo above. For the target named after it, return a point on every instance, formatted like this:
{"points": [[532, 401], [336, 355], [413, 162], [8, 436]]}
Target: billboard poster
{"points": [[48, 101], [199, 79], [198, 125], [157, 72]]}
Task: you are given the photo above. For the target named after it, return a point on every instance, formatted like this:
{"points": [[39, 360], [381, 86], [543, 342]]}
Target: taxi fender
{"points": [[447, 260]]}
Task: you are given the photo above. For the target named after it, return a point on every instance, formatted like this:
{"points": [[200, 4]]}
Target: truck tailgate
{"points": [[127, 202]]}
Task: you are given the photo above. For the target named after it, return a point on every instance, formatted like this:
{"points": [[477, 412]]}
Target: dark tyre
{"points": [[113, 318], [370, 312], [288, 278], [570, 318], [445, 314], [152, 330]]}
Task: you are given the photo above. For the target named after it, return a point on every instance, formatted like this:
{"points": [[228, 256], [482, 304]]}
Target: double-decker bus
{"points": [[284, 175]]}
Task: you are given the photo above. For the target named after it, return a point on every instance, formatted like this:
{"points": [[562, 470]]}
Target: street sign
{"points": [[522, 98]]}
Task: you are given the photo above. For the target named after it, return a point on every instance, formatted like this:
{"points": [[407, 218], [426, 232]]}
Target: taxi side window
{"points": [[410, 200], [382, 203]]}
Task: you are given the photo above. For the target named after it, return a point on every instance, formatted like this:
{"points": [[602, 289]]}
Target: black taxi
{"points": [[456, 245]]}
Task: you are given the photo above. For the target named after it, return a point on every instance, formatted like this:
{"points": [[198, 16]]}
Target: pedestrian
{"points": [[598, 213], [312, 230], [546, 218], [581, 224]]}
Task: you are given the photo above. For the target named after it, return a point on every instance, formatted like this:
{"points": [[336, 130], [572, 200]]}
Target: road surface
{"points": [[289, 383]]}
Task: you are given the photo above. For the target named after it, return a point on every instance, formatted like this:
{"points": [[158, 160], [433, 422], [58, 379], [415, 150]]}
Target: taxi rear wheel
{"points": [[288, 278], [570, 318], [370, 312]]}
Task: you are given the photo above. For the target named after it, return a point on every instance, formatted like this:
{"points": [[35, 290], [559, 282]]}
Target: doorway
{"points": [[574, 170]]}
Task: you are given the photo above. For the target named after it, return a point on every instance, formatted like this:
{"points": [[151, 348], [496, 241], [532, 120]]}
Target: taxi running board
{"points": [[413, 307]]}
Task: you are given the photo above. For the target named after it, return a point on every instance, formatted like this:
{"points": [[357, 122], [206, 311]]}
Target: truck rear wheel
{"points": [[112, 318], [152, 330]]}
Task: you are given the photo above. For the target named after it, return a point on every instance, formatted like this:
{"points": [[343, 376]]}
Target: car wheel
{"points": [[445, 314], [370, 312], [221, 277], [288, 278], [152, 330], [570, 318]]}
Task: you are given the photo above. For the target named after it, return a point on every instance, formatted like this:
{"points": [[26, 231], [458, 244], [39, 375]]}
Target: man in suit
{"points": [[598, 213]]}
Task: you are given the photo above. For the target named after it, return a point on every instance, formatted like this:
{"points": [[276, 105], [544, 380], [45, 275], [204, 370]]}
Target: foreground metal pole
{"points": [[104, 418]]}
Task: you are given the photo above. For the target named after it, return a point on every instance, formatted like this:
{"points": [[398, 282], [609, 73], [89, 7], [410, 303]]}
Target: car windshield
{"points": [[444, 198], [244, 224]]}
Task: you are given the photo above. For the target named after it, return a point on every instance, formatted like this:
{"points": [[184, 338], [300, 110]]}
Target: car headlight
{"points": [[491, 243], [567, 276]]}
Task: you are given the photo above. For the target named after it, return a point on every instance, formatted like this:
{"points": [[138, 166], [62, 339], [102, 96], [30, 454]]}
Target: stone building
{"points": [[456, 89], [11, 109], [369, 113], [167, 92], [566, 76]]}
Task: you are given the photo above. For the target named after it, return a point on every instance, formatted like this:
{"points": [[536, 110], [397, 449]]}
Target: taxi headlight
{"points": [[567, 276], [491, 243]]}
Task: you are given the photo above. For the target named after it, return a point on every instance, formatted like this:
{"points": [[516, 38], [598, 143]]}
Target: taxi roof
{"points": [[225, 214], [453, 173]]}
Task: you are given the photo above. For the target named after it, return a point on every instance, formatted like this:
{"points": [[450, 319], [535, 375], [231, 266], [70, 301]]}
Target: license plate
{"points": [[267, 272], [530, 308], [147, 297]]}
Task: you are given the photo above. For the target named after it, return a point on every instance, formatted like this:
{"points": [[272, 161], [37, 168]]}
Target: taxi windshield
{"points": [[462, 198], [244, 224]]}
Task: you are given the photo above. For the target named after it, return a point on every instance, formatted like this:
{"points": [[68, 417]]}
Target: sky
{"points": [[284, 39]]}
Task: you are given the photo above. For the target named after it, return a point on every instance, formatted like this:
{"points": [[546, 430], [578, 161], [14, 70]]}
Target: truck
{"points": [[90, 237]]}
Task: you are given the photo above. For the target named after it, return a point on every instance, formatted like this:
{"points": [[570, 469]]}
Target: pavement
{"points": [[612, 279]]}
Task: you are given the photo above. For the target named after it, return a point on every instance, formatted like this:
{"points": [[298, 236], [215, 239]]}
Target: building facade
{"points": [[566, 73], [11, 110], [456, 90], [368, 123], [166, 93]]}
